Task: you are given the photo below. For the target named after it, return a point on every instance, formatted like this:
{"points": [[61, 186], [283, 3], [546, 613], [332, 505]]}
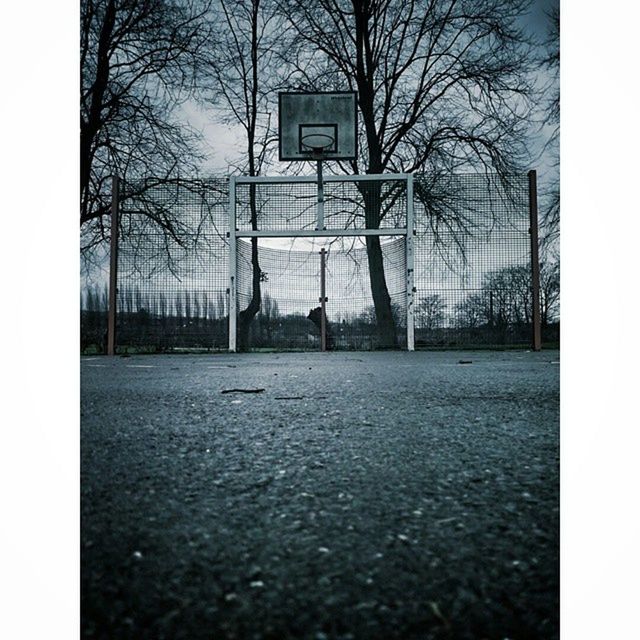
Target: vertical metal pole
{"points": [[535, 260], [113, 268], [323, 300], [320, 214], [410, 266], [233, 285]]}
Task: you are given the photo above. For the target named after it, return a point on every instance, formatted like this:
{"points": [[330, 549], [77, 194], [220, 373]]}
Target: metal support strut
{"points": [[410, 259], [233, 284], [320, 215]]}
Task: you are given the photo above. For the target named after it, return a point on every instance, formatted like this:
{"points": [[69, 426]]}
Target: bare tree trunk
{"points": [[372, 191], [247, 114], [385, 324], [246, 316]]}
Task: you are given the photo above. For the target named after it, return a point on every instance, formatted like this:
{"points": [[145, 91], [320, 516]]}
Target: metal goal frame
{"points": [[234, 234]]}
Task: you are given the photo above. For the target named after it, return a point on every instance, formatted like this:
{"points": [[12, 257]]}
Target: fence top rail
{"points": [[314, 178]]}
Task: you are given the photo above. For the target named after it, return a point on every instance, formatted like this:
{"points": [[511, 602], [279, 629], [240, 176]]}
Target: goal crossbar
{"points": [[321, 233], [368, 177]]}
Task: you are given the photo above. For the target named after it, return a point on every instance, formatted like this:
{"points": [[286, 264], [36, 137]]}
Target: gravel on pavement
{"points": [[358, 495]]}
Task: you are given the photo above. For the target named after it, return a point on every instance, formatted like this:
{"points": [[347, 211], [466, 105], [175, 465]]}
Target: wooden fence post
{"points": [[535, 259], [113, 268]]}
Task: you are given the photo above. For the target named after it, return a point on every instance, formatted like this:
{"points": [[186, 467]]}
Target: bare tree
{"points": [[442, 86], [187, 307], [162, 307], [474, 311], [222, 308], [197, 307], [90, 300], [243, 74], [551, 60], [430, 311], [178, 307], [506, 298], [549, 292], [268, 316], [138, 61]]}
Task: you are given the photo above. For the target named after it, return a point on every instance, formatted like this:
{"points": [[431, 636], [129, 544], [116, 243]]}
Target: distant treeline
{"points": [[499, 313], [155, 321]]}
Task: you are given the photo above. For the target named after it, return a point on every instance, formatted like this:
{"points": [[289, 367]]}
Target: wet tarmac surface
{"points": [[358, 495]]}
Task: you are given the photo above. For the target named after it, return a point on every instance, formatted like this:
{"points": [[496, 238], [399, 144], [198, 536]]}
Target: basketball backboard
{"points": [[318, 125]]}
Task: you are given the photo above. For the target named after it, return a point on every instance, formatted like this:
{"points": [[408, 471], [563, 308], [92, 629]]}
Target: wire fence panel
{"points": [[472, 265], [290, 292], [173, 266], [473, 262], [348, 204]]}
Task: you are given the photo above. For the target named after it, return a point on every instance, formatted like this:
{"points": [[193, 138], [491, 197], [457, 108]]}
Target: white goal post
{"points": [[296, 227]]}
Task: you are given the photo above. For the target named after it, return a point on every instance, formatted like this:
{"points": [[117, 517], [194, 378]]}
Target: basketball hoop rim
{"points": [[317, 150]]}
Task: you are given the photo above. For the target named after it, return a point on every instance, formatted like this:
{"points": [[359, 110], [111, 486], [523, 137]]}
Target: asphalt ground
{"points": [[360, 495]]}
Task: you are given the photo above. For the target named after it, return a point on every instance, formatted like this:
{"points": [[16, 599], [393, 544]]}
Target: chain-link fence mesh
{"points": [[472, 265]]}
